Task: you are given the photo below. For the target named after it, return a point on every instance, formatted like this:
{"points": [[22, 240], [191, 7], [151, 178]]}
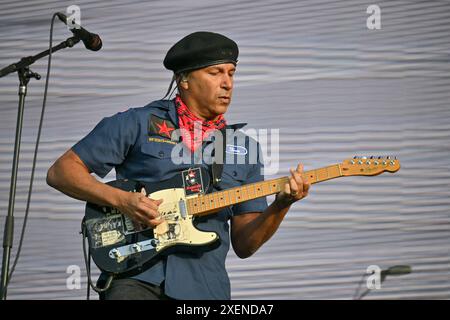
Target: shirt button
{"points": [[161, 153]]}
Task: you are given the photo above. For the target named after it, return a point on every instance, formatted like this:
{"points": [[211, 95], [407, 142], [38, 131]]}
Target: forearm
{"points": [[73, 179], [254, 234]]}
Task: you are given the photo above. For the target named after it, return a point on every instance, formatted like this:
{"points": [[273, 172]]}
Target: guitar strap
{"points": [[216, 167]]}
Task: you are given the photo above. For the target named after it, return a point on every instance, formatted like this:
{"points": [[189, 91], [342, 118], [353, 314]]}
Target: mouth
{"points": [[225, 98]]}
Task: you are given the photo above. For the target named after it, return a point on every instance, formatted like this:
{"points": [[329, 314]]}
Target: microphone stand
{"points": [[25, 74], [363, 294], [383, 275]]}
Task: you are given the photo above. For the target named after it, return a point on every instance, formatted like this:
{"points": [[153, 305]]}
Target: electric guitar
{"points": [[120, 247]]}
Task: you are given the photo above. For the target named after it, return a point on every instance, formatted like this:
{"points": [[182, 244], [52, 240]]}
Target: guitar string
{"points": [[206, 200]]}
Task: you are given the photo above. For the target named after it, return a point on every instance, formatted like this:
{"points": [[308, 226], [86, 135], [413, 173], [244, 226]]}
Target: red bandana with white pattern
{"points": [[196, 129]]}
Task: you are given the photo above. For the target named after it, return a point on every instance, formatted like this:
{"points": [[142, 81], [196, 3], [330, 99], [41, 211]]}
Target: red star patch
{"points": [[164, 129]]}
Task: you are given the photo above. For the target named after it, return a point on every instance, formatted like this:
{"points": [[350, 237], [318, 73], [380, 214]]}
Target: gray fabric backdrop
{"points": [[311, 69]]}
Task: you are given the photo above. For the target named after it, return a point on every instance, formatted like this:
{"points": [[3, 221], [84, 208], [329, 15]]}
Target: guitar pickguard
{"points": [[177, 228]]}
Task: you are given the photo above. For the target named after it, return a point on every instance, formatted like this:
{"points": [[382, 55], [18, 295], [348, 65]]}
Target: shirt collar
{"points": [[169, 107]]}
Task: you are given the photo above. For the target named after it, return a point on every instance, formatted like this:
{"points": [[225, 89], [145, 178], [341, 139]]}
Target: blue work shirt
{"points": [[124, 142]]}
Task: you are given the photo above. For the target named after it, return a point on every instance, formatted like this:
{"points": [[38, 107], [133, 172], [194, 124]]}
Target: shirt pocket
{"points": [[156, 160], [158, 150]]}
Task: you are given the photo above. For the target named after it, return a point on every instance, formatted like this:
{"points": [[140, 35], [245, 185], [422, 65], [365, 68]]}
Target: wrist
{"points": [[282, 203], [118, 198]]}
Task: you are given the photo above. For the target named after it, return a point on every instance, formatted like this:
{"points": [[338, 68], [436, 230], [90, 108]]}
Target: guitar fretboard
{"points": [[213, 202]]}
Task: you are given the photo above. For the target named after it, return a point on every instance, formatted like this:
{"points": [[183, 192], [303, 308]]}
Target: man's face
{"points": [[208, 91]]}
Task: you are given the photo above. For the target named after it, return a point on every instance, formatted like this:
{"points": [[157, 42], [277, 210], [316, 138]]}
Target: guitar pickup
{"points": [[182, 206]]}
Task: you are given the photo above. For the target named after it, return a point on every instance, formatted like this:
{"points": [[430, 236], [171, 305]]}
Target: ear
{"points": [[184, 84]]}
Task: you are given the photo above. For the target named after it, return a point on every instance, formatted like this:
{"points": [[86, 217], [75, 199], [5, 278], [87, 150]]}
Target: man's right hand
{"points": [[141, 209], [71, 176]]}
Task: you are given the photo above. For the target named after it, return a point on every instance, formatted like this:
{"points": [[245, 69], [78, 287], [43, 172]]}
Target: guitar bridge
{"points": [[121, 253]]}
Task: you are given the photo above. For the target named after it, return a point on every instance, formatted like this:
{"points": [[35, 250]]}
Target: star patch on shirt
{"points": [[160, 127]]}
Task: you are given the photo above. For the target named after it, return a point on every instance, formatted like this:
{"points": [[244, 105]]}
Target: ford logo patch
{"points": [[236, 149]]}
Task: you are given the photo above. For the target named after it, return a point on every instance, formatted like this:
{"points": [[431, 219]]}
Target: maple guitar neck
{"points": [[213, 202], [357, 166]]}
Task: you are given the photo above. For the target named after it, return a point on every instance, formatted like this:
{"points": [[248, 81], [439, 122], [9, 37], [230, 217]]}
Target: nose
{"points": [[227, 82]]}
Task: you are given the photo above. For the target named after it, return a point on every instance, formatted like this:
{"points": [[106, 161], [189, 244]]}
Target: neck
{"points": [[196, 110]]}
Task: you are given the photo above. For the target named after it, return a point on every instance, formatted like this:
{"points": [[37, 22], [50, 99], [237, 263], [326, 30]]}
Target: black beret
{"points": [[199, 50]]}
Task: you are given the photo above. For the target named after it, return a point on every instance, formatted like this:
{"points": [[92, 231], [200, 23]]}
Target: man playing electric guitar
{"points": [[139, 142]]}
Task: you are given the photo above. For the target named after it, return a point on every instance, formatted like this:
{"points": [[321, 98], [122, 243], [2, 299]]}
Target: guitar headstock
{"points": [[369, 166]]}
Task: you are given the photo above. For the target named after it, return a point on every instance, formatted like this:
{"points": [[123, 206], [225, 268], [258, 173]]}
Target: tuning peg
{"points": [[364, 158], [371, 157], [388, 157], [355, 157]]}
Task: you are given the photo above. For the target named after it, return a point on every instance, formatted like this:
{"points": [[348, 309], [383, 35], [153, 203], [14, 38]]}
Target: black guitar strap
{"points": [[219, 153]]}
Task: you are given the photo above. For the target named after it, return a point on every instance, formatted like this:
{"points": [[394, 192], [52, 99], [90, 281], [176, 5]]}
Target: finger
{"points": [[153, 214], [287, 189], [296, 181], [306, 187], [301, 171], [305, 178], [147, 209], [150, 219], [155, 222], [140, 219], [294, 187], [155, 201], [151, 204], [298, 178]]}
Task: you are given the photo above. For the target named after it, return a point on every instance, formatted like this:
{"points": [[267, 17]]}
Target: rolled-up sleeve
{"points": [[108, 144]]}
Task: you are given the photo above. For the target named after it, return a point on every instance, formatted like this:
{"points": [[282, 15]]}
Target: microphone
{"points": [[91, 41], [398, 270], [395, 271]]}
